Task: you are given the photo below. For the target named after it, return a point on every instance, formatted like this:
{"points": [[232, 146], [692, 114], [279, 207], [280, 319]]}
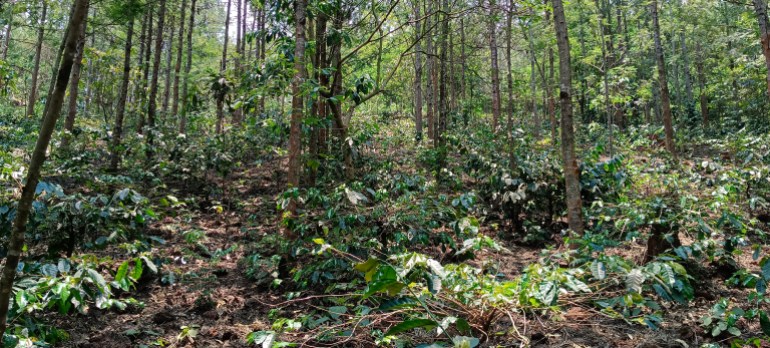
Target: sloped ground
{"points": [[213, 304]]}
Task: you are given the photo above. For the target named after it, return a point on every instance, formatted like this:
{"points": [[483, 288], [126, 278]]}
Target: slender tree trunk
{"points": [[571, 171], [187, 69], [7, 40], [664, 95], [167, 82], [508, 57], [223, 68], [444, 77], [146, 71], [686, 70], [178, 64], [32, 100], [295, 133], [462, 58], [117, 133], [760, 7], [605, 81], [417, 73], [532, 80], [704, 101], [429, 67], [492, 32], [152, 102], [69, 122], [16, 240], [548, 85]]}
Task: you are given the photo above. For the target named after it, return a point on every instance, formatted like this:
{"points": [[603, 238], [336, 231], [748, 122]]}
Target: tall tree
{"points": [[571, 170], [152, 102], [417, 72], [187, 69], [16, 239], [178, 64], [662, 81], [760, 7], [492, 35], [32, 100], [69, 122], [117, 133], [297, 98], [222, 81]]}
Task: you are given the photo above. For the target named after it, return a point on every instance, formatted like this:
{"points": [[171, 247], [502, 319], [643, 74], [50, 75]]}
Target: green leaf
{"points": [[63, 266], [764, 322], [766, 270], [336, 311], [407, 325], [367, 266], [97, 278], [399, 303], [136, 273], [49, 270], [122, 271], [598, 270]]}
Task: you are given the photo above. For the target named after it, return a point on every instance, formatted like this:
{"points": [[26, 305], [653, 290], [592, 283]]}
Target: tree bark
{"points": [[32, 100], [571, 171], [417, 73], [704, 101], [24, 207], [495, 70], [444, 77], [178, 64], [167, 82], [548, 84], [223, 68], [686, 70], [430, 97], [508, 49], [664, 94], [146, 71], [760, 7], [69, 122], [117, 133], [187, 69], [295, 133], [152, 102], [7, 40]]}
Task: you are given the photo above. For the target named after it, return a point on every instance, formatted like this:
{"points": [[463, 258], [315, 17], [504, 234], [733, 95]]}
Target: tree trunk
{"points": [[223, 68], [444, 77], [295, 133], [69, 122], [492, 29], [687, 76], [7, 40], [429, 66], [417, 73], [167, 82], [704, 101], [760, 7], [178, 64], [146, 71], [571, 171], [664, 95], [152, 102], [508, 49], [117, 133], [16, 242], [32, 100], [548, 84], [187, 69]]}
